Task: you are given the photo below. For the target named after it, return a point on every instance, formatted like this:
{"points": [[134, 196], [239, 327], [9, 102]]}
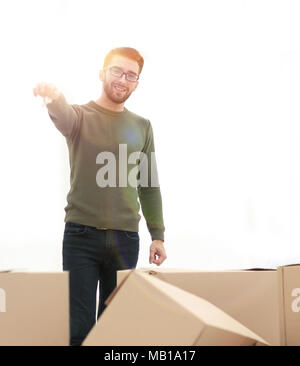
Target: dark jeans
{"points": [[91, 255]]}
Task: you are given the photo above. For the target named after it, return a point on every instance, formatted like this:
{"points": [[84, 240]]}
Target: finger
{"points": [[154, 259], [161, 259], [49, 88], [152, 255], [151, 258], [41, 89], [36, 90], [160, 255], [158, 262]]}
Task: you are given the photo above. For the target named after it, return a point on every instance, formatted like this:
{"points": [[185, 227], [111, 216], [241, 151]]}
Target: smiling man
{"points": [[101, 222]]}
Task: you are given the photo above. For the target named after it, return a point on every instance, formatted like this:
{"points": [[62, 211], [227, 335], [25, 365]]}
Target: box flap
{"points": [[117, 288], [184, 270], [5, 270], [202, 308], [289, 265]]}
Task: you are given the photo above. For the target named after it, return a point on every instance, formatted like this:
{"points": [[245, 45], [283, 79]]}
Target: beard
{"points": [[113, 95]]}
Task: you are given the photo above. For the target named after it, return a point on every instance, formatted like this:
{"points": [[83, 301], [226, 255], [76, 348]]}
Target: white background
{"points": [[221, 87]]}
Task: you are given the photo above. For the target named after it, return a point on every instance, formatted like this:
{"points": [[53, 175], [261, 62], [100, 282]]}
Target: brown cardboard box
{"points": [[249, 296], [146, 311], [289, 291], [34, 309]]}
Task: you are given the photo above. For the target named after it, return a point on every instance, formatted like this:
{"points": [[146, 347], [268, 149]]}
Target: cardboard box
{"points": [[34, 309], [249, 296], [289, 302], [146, 311]]}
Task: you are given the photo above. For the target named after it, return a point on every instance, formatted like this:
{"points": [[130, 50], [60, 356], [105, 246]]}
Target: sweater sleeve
{"points": [[64, 116], [149, 194]]}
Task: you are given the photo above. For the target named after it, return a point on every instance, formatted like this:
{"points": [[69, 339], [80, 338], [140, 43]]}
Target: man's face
{"points": [[111, 82]]}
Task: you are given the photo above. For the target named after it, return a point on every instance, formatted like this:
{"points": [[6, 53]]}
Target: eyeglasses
{"points": [[116, 71]]}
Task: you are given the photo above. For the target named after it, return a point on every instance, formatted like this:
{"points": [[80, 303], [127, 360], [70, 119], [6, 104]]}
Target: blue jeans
{"points": [[91, 255]]}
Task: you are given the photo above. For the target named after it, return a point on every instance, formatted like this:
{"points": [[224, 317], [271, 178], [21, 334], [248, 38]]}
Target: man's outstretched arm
{"points": [[61, 113]]}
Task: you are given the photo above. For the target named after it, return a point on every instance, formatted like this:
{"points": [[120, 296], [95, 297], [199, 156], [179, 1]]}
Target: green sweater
{"points": [[91, 130]]}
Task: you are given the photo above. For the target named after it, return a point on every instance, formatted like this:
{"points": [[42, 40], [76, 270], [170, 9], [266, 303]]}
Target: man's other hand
{"points": [[157, 252]]}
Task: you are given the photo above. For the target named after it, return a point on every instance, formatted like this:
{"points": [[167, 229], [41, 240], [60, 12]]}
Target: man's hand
{"points": [[157, 252], [46, 91]]}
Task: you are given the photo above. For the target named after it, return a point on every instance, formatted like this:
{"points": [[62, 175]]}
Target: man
{"points": [[102, 214]]}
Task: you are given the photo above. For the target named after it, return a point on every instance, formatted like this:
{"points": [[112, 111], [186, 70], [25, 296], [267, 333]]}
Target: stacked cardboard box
{"points": [[289, 304], [34, 309]]}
